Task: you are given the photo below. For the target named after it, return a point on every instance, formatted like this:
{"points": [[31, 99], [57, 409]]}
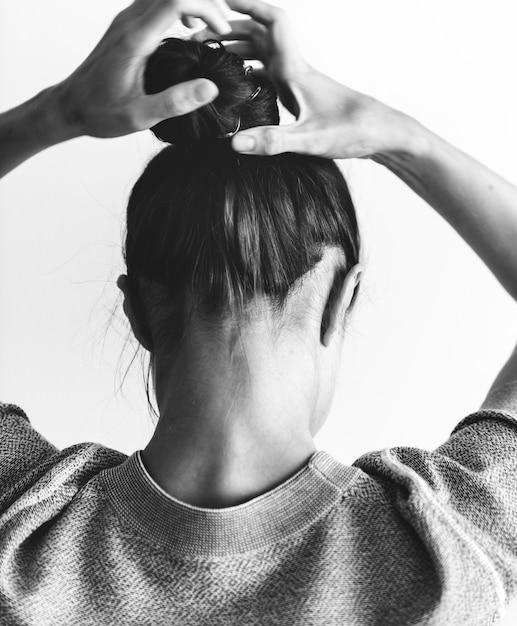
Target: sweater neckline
{"points": [[185, 529]]}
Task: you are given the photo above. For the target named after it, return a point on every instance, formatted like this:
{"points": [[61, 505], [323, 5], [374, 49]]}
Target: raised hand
{"points": [[104, 97], [333, 120]]}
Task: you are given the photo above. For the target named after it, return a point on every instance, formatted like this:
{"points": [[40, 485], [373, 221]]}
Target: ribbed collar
{"points": [[194, 531]]}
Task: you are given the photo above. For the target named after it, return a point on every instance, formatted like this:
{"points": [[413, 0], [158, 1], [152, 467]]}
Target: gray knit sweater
{"points": [[403, 536]]}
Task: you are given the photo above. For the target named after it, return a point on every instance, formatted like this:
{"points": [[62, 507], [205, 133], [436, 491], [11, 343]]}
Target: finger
{"points": [[223, 7], [270, 140], [213, 12], [177, 100], [260, 11], [159, 16], [189, 22], [239, 29]]}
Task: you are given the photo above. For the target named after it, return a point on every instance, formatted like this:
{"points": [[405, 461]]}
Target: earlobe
{"points": [[135, 313], [340, 303], [122, 283]]}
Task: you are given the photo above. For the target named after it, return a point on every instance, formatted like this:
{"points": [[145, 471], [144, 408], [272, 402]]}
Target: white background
{"points": [[433, 326]]}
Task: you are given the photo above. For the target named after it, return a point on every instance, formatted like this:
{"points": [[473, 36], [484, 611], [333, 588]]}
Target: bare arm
{"points": [[337, 122], [478, 203], [29, 129], [104, 97]]}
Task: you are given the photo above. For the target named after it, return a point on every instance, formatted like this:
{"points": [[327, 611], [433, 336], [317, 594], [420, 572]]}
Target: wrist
{"points": [[60, 121], [407, 140], [43, 120], [32, 127]]}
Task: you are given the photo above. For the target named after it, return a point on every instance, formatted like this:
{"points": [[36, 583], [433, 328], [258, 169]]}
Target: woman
{"points": [[241, 272]]}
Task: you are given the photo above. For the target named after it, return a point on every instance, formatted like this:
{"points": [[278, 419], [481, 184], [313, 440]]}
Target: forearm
{"points": [[30, 128], [480, 205]]}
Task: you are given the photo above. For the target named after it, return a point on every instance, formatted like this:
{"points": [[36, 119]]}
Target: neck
{"points": [[234, 422]]}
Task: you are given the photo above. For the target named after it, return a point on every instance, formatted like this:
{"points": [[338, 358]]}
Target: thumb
{"points": [[178, 100], [270, 140]]}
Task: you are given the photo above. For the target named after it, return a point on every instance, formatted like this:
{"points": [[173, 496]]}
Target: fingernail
{"points": [[205, 91], [244, 143], [224, 28]]}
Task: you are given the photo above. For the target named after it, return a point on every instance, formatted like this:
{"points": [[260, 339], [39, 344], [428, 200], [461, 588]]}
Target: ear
{"points": [[340, 300], [135, 313]]}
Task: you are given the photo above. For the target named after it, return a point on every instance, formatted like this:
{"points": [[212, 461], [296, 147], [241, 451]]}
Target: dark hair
{"points": [[178, 60], [207, 223]]}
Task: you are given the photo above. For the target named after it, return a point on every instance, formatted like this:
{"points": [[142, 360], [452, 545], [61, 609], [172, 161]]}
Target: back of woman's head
{"points": [[216, 229]]}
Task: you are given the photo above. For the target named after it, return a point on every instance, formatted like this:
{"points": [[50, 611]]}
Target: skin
{"points": [[239, 409], [104, 96]]}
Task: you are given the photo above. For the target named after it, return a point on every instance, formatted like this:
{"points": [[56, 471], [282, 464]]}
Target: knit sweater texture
{"points": [[403, 536]]}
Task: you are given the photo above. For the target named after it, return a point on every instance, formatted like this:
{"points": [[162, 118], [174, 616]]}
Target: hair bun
{"points": [[179, 60]]}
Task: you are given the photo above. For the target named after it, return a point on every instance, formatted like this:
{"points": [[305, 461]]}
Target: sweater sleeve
{"points": [[470, 481], [22, 448]]}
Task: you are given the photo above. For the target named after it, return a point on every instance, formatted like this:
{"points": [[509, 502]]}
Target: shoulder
{"points": [[461, 497], [29, 462]]}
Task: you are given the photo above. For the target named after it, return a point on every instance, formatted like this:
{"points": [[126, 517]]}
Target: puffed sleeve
{"points": [[461, 498], [22, 448]]}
